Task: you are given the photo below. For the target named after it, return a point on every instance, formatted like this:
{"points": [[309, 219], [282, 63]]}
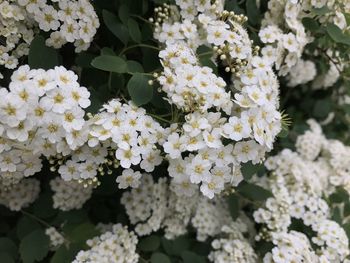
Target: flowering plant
{"points": [[174, 131]]}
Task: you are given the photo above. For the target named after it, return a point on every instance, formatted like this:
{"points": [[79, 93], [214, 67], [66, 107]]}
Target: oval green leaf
{"points": [[139, 89], [110, 63]]}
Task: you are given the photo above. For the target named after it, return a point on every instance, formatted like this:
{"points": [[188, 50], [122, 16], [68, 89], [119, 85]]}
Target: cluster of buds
{"points": [[231, 16], [231, 64], [161, 14]]}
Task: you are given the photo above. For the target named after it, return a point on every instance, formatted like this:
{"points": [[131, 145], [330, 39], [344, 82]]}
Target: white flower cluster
{"points": [[155, 206], [20, 195], [42, 113], [69, 195], [233, 246], [299, 196], [18, 32], [56, 239], [285, 38], [73, 21], [117, 245], [123, 132], [292, 247], [224, 125]]}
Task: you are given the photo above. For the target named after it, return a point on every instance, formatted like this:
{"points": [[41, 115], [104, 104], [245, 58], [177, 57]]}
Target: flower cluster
{"points": [[233, 246], [20, 195], [69, 195], [225, 124], [69, 21], [286, 38], [298, 196], [292, 247], [18, 32], [119, 135], [156, 205], [42, 114], [117, 245], [56, 239]]}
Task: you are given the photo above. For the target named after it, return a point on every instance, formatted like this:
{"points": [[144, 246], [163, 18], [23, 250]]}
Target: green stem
{"points": [[141, 18], [159, 118], [138, 45], [36, 218]]}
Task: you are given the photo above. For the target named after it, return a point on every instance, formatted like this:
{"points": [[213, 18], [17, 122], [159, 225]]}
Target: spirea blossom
{"points": [[232, 246], [20, 195], [43, 114], [117, 245], [156, 205], [68, 21], [225, 124], [56, 238], [69, 195], [285, 39], [300, 181]]}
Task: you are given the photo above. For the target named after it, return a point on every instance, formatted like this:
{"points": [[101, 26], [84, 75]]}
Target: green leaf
{"points": [[248, 169], [253, 192], [190, 257], [40, 55], [233, 205], [207, 62], [134, 66], [160, 258], [6, 257], [176, 246], [65, 255], [117, 28], [339, 196], [139, 89], [8, 246], [252, 12], [34, 247], [347, 229], [82, 232], [25, 226], [346, 209], [310, 24], [150, 243], [322, 108], [110, 63], [336, 216], [107, 51], [123, 13], [320, 11], [337, 34], [232, 5], [134, 30]]}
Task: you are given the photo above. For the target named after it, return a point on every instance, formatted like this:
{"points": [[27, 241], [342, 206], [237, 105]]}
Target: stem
{"points": [[132, 73], [205, 53], [44, 223], [36, 218], [138, 45], [141, 18], [159, 118]]}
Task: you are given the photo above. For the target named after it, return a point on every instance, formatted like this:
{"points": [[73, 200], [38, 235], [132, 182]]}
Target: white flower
{"points": [[129, 178], [246, 151], [175, 145], [198, 170], [237, 129], [211, 187], [290, 43]]}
